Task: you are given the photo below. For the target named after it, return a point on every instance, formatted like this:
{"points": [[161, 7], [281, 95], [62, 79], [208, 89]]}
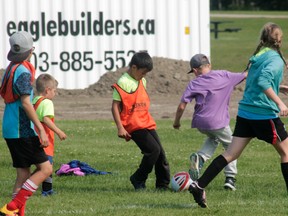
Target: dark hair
{"points": [[269, 38], [142, 59]]}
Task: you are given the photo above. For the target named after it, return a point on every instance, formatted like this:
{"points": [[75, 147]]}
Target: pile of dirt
{"points": [[168, 77]]}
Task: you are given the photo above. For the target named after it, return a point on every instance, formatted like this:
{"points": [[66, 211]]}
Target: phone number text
{"points": [[78, 61]]}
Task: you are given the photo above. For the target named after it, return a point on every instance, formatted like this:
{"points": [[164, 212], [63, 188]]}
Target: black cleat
{"points": [[198, 194]]}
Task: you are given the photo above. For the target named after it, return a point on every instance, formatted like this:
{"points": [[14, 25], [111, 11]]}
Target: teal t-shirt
{"points": [[16, 123]]}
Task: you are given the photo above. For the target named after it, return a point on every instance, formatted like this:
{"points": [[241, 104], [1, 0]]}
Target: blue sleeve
{"points": [[22, 85]]}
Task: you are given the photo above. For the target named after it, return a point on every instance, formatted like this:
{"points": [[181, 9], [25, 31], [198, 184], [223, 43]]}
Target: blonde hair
{"points": [[270, 36], [45, 80]]}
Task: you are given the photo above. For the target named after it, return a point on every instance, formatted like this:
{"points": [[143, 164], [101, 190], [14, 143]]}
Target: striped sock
{"points": [[22, 196]]}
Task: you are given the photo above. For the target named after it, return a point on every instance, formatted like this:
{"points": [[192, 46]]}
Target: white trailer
{"points": [[77, 41]]}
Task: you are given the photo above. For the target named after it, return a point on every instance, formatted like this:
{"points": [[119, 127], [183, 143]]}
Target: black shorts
{"points": [[26, 152], [270, 130]]}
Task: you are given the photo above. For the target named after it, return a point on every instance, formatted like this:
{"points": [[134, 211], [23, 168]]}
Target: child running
{"points": [[258, 111], [212, 90]]}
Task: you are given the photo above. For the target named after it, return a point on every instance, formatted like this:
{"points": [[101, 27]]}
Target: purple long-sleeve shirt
{"points": [[212, 93]]}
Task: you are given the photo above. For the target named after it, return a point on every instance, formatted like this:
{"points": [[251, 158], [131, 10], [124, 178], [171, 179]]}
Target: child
{"points": [[46, 87], [130, 109], [17, 126], [212, 90], [258, 111]]}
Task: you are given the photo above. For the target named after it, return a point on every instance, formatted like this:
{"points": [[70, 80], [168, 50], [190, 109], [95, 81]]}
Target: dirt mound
{"points": [[167, 77]]}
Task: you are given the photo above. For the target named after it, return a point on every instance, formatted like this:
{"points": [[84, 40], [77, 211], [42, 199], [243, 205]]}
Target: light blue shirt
{"points": [[266, 71]]}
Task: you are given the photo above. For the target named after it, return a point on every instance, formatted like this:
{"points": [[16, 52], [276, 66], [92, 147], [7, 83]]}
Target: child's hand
{"points": [[43, 139], [124, 135], [61, 135]]}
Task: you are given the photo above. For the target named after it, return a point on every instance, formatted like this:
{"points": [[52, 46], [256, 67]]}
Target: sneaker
{"points": [[5, 212], [198, 194], [196, 163], [230, 183], [137, 184], [48, 193]]}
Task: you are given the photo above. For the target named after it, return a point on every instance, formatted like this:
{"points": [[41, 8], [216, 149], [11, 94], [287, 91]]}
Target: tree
{"points": [[280, 5]]}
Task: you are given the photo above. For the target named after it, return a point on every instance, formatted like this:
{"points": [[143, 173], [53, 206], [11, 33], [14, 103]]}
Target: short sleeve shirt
{"points": [[211, 92], [45, 108], [128, 84], [16, 123]]}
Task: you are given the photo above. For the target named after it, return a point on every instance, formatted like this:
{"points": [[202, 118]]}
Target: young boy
{"points": [[130, 109], [46, 87], [211, 89], [18, 124]]}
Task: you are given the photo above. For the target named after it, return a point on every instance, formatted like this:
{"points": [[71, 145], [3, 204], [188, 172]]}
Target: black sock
{"points": [[212, 171], [47, 184], [284, 169]]}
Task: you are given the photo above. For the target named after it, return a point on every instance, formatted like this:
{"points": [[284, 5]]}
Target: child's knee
{"points": [[47, 169]]}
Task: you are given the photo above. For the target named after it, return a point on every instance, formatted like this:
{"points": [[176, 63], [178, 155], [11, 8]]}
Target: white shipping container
{"points": [[77, 41]]}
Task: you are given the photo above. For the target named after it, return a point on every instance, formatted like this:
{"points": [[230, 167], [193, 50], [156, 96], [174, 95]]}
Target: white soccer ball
{"points": [[181, 181]]}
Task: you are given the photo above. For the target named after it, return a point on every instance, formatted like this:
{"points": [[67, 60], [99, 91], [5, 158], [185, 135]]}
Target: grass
{"points": [[232, 51], [260, 187]]}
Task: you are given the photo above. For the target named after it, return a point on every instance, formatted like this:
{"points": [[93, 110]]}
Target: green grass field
{"points": [[232, 51], [260, 187]]}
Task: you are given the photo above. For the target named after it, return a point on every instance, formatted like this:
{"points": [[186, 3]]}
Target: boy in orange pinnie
{"points": [[46, 87], [130, 109]]}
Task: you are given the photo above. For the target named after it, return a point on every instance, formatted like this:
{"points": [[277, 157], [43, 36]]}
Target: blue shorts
{"points": [[270, 130], [26, 152]]}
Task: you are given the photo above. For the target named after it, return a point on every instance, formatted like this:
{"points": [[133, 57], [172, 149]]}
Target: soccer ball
{"points": [[181, 181]]}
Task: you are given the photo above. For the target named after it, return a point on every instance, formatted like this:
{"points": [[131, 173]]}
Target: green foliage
{"points": [[260, 187], [252, 5]]}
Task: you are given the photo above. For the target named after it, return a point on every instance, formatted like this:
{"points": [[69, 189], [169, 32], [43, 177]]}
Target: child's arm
{"points": [[122, 133], [179, 113], [281, 105], [30, 112], [50, 124]]}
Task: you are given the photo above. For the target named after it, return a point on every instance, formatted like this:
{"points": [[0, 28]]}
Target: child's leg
{"points": [[30, 185], [209, 146], [198, 159], [282, 149], [162, 169], [233, 152], [22, 175], [225, 137], [150, 150], [47, 185]]}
